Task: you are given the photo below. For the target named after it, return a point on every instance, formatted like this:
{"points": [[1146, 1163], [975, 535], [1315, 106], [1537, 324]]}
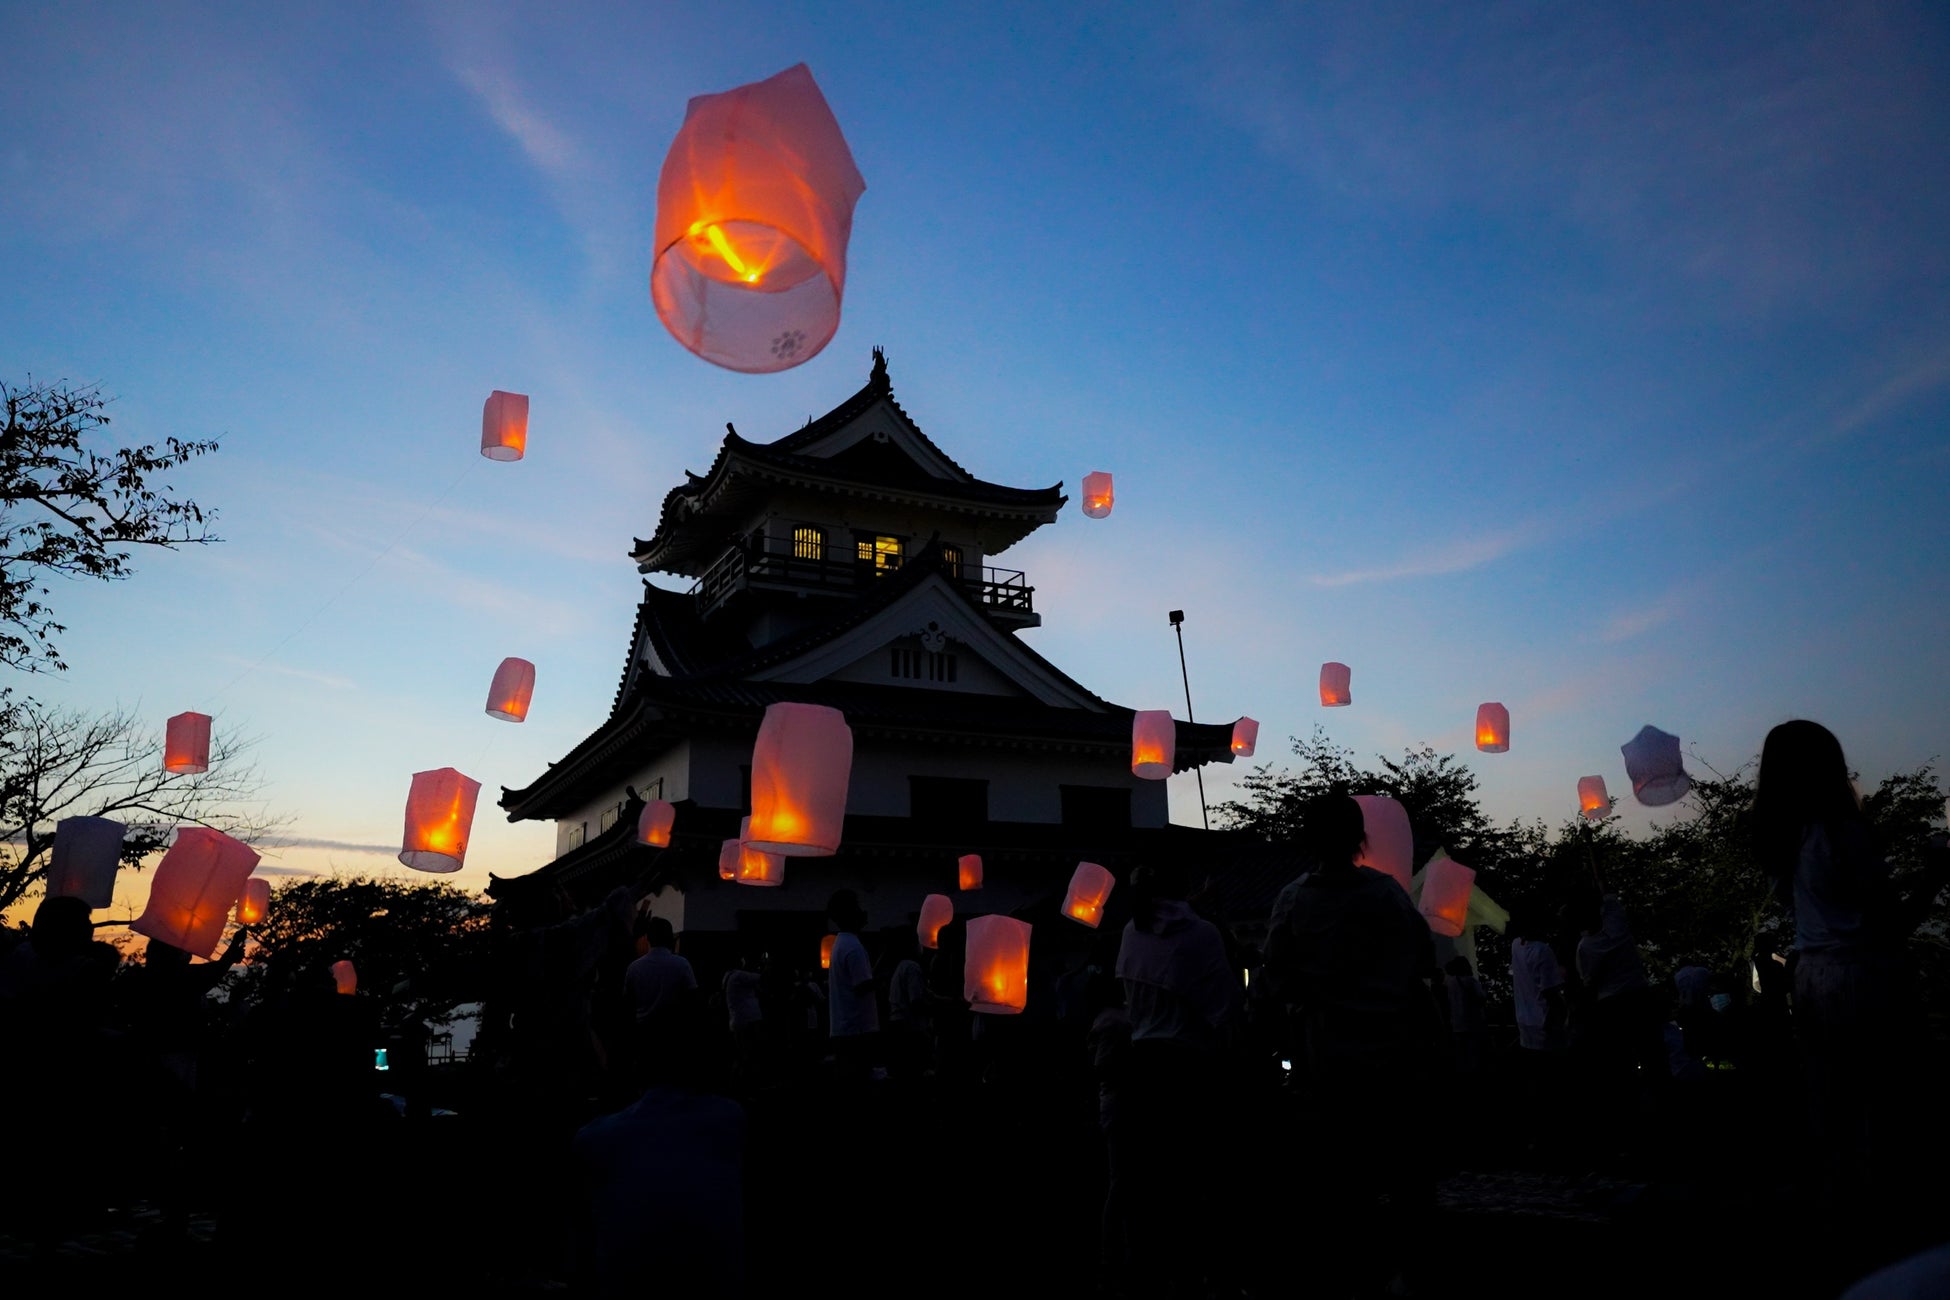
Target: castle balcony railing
{"points": [[778, 564]]}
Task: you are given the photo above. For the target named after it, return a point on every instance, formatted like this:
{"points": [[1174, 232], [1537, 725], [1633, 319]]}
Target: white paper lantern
{"points": [[1652, 762], [186, 744], [510, 691], [995, 972], [87, 851], [801, 765], [1154, 743], [254, 902], [1098, 495], [439, 819], [936, 911], [194, 887], [345, 977], [1492, 728], [1090, 886], [654, 822], [1245, 737], [1336, 687], [1446, 886], [968, 871], [1593, 803], [504, 426]]}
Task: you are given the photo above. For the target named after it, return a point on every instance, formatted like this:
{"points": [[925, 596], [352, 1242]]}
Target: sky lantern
{"points": [[504, 426], [255, 901], [512, 688], [195, 886], [995, 973], [1245, 737], [728, 855], [1492, 728], [1090, 885], [936, 911], [1336, 687], [968, 870], [754, 210], [82, 864], [439, 815], [800, 769], [1446, 886], [654, 822], [1593, 802], [826, 952], [1154, 742], [755, 866], [1390, 847], [1097, 495], [345, 977], [1652, 761], [186, 744]]}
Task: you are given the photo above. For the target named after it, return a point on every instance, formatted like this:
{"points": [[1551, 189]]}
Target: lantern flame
{"points": [[826, 952]]}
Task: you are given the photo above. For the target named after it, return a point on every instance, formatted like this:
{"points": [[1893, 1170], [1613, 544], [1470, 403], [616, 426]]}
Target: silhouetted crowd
{"points": [[1174, 1112]]}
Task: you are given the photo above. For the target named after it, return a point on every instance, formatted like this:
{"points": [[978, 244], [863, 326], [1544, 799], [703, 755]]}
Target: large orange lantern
{"points": [[826, 952], [439, 817], [82, 864], [512, 688], [968, 871], [504, 426], [654, 822], [186, 744], [755, 866], [936, 911], [1090, 885], [1492, 728], [255, 901], [800, 769], [1390, 846], [195, 886], [1245, 737], [1336, 685], [1652, 761], [995, 973], [1446, 886], [1593, 802], [345, 977], [754, 210], [1098, 496], [1154, 742]]}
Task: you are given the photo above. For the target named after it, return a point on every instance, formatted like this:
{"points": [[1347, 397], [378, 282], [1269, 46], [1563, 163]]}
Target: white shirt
{"points": [[1535, 971], [850, 1012]]}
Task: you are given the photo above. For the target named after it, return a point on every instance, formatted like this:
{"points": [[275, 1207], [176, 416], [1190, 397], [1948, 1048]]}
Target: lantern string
{"points": [[351, 582]]}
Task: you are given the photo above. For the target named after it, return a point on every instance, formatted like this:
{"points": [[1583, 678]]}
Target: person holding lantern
{"points": [[852, 1007]]}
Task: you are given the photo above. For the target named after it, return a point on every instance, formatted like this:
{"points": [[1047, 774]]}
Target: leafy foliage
{"points": [[68, 510], [433, 937], [57, 763]]}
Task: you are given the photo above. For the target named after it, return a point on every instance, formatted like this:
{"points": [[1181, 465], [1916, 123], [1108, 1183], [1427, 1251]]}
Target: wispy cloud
{"points": [[331, 680], [1626, 624], [547, 146], [1908, 383], [1450, 557]]}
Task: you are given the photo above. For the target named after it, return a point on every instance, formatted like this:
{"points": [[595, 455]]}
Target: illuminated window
{"points": [[883, 553], [951, 559], [808, 543]]}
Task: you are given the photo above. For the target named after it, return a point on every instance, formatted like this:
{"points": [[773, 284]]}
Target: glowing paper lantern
{"points": [[728, 854], [936, 911], [1097, 495], [345, 977], [1446, 886], [1090, 885], [513, 686], [1593, 802], [1652, 761], [969, 871], [1336, 685], [87, 851], [186, 744], [995, 973], [255, 902], [755, 866], [439, 816], [1492, 728], [654, 822], [1154, 742], [754, 210], [504, 426], [1245, 737], [800, 769], [195, 886], [1390, 847], [826, 952]]}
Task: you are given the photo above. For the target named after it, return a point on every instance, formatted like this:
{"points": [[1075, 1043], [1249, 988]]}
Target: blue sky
{"points": [[1591, 359]]}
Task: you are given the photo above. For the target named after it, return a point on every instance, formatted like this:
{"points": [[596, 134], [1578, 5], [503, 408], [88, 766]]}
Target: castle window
{"points": [[609, 818], [808, 543], [577, 834], [882, 553], [922, 665], [951, 560]]}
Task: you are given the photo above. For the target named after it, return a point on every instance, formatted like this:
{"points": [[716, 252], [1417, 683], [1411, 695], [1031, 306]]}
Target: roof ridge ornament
{"points": [[878, 380]]}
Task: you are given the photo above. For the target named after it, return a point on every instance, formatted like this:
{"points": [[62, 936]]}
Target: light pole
{"points": [[1178, 626]]}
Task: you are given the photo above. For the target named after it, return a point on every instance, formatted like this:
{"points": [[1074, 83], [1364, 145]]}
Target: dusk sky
{"points": [[1594, 360]]}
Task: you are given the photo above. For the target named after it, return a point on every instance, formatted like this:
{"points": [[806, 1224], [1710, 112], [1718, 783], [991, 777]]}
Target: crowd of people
{"points": [[1220, 1108]]}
